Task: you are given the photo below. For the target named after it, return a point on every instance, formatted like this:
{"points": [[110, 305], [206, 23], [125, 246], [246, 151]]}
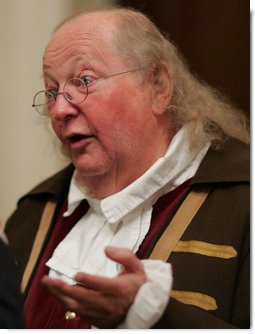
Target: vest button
{"points": [[70, 315]]}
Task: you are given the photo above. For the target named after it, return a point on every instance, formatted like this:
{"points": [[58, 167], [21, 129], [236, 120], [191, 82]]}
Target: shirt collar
{"points": [[178, 165]]}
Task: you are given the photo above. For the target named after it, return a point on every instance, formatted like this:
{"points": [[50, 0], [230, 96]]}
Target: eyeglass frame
{"points": [[84, 83]]}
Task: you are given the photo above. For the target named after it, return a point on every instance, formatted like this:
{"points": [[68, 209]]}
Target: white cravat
{"points": [[123, 220]]}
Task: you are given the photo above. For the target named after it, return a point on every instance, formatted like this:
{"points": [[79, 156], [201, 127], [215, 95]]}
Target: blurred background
{"points": [[213, 35]]}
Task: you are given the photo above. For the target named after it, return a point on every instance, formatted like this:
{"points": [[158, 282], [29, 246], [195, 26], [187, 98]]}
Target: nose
{"points": [[62, 108]]}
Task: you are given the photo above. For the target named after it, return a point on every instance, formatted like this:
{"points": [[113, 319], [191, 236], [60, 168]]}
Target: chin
{"points": [[91, 169]]}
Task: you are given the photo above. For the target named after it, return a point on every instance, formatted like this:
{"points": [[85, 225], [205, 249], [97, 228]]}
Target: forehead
{"points": [[88, 38]]}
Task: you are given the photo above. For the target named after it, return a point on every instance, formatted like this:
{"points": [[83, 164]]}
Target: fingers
{"points": [[71, 296], [52, 284], [131, 264], [125, 257], [100, 300], [133, 273], [95, 282], [58, 286], [95, 307]]}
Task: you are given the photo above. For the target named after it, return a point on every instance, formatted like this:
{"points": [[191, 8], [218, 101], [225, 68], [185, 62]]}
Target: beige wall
{"points": [[27, 153]]}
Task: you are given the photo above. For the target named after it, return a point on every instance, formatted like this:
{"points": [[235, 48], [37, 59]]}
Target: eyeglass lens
{"points": [[75, 91]]}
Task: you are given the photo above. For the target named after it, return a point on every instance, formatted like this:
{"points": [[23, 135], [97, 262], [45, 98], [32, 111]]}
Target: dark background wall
{"points": [[214, 37]]}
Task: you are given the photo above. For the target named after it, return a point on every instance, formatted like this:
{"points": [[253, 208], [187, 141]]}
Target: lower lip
{"points": [[80, 144]]}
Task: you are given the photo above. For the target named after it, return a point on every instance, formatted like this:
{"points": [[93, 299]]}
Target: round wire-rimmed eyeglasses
{"points": [[75, 91]]}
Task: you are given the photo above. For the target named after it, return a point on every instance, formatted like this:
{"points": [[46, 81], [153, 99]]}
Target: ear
{"points": [[162, 88]]}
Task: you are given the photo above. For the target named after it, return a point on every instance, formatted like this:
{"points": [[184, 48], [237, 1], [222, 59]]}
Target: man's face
{"points": [[111, 132]]}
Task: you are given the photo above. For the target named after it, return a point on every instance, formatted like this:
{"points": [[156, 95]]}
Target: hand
{"points": [[100, 301]]}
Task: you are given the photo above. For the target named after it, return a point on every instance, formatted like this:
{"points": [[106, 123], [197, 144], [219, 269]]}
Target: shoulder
{"points": [[54, 186], [231, 164]]}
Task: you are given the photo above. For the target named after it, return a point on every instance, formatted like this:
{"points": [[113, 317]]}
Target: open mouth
{"points": [[76, 138]]}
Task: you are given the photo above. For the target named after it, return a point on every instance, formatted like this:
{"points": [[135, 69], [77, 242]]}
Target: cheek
{"points": [[132, 113], [106, 112], [123, 107], [121, 127], [115, 120]]}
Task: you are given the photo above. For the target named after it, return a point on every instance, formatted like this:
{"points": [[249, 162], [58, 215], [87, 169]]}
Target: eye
{"points": [[51, 94], [87, 79]]}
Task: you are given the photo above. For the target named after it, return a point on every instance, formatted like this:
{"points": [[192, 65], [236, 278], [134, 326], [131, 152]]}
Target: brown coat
{"points": [[211, 261]]}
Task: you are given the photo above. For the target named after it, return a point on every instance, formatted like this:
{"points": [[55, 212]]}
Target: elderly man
{"points": [[149, 225]]}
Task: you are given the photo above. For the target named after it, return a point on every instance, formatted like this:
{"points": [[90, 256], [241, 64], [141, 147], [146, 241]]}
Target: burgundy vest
{"points": [[42, 310]]}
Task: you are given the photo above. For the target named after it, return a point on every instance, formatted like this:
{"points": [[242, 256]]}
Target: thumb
{"points": [[126, 258]]}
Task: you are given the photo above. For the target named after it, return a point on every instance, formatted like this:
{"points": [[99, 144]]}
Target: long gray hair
{"points": [[207, 111]]}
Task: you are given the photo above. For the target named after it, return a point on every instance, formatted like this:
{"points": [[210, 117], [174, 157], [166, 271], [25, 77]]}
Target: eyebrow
{"points": [[46, 75]]}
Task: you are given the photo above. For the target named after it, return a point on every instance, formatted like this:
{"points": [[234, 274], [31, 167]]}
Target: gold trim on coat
{"points": [[38, 243], [205, 248], [201, 300], [178, 224]]}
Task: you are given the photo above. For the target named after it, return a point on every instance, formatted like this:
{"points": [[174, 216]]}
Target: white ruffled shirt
{"points": [[123, 220]]}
